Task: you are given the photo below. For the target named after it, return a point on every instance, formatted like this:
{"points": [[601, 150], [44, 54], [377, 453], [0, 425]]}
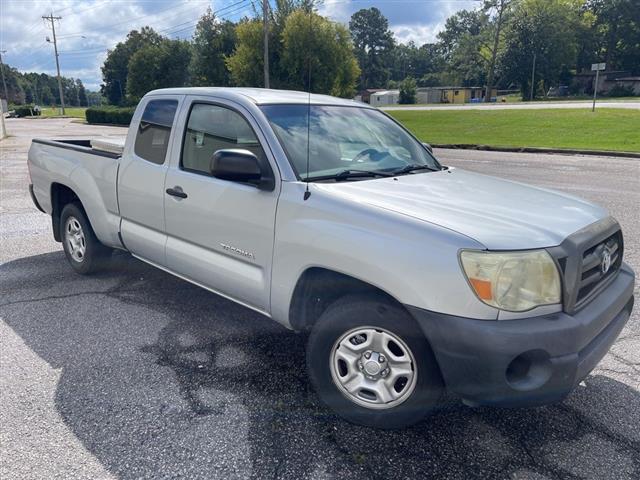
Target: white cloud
{"points": [[86, 31], [416, 33], [89, 27], [338, 11]]}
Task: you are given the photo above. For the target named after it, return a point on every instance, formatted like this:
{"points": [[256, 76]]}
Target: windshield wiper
{"points": [[351, 173], [414, 167]]}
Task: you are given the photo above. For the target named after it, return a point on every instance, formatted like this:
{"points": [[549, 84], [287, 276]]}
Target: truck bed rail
{"points": [[83, 146]]}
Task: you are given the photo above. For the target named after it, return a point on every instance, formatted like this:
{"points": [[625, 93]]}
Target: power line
{"points": [[77, 12], [169, 31], [217, 12], [131, 20], [227, 10]]}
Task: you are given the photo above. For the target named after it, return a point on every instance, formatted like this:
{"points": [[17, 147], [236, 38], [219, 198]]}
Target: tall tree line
{"points": [[496, 45], [42, 89]]}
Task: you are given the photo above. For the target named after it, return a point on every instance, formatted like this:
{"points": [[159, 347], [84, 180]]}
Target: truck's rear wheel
{"points": [[83, 250], [369, 361]]}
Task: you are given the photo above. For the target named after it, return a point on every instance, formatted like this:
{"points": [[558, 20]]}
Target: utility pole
{"points": [[533, 77], [53, 19], [265, 27], [4, 83]]}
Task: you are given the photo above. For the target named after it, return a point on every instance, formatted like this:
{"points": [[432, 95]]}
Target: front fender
{"points": [[413, 261]]}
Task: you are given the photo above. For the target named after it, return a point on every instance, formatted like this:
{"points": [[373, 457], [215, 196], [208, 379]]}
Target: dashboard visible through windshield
{"points": [[341, 140]]}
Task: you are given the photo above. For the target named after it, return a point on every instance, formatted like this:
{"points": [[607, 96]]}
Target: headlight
{"points": [[514, 281]]}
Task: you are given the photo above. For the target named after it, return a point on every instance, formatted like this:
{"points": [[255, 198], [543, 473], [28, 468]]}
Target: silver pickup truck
{"points": [[329, 217]]}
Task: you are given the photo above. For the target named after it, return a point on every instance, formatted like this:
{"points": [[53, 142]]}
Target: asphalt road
{"points": [[633, 105], [133, 373]]}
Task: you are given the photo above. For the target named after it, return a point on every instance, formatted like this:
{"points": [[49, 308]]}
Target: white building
{"points": [[385, 97]]}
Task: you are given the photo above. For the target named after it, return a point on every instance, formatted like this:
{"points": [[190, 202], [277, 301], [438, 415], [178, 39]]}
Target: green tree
{"points": [[246, 62], [617, 34], [82, 94], [158, 66], [502, 10], [402, 62], [15, 85], [212, 42], [317, 55], [29, 95], [464, 46], [115, 69], [373, 42], [95, 99], [407, 91], [457, 27], [548, 30], [70, 92], [409, 60], [278, 18], [46, 96]]}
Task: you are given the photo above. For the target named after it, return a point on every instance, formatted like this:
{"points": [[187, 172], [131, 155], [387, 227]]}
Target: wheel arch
{"points": [[61, 195], [319, 287]]}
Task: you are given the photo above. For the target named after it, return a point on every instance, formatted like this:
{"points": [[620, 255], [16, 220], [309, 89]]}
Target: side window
{"points": [[154, 130], [211, 128]]}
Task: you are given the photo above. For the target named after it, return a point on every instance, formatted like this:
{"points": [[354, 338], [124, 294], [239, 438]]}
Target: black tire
{"points": [[95, 254], [356, 311]]}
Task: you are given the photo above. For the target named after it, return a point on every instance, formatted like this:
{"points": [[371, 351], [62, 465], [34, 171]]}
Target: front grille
{"points": [[592, 274], [580, 260]]}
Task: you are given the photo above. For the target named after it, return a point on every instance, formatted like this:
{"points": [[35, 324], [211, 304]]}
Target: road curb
{"points": [[566, 151]]}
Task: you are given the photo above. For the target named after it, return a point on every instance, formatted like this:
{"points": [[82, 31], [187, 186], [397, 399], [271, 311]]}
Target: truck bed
{"points": [[91, 173]]}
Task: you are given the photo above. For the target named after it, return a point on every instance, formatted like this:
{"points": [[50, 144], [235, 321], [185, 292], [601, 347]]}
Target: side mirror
{"points": [[428, 147], [238, 165]]}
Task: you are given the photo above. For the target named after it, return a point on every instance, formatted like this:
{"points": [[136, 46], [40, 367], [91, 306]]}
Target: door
{"points": [[141, 179], [220, 232]]}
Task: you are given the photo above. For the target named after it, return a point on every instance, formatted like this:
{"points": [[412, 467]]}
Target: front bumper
{"points": [[530, 361]]}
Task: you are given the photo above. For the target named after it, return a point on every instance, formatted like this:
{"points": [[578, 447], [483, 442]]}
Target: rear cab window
{"points": [[154, 130]]}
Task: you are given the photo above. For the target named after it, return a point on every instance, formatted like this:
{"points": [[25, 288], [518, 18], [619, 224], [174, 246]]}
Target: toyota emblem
{"points": [[605, 263]]}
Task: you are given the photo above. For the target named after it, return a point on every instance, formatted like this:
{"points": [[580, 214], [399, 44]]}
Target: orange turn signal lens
{"points": [[482, 288]]}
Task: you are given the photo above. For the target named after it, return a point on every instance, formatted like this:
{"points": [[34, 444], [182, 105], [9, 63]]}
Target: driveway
{"points": [[133, 373], [634, 105]]}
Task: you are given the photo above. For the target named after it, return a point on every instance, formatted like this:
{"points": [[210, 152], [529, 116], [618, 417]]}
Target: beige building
{"points": [[453, 94]]}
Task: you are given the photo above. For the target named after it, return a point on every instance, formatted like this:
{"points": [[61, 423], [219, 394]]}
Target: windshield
{"points": [[345, 138]]}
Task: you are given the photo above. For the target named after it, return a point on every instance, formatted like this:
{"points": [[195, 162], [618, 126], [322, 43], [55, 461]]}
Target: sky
{"points": [[88, 28]]}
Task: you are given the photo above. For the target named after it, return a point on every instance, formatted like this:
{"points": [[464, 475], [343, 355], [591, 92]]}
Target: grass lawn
{"points": [[606, 129], [514, 98], [69, 112]]}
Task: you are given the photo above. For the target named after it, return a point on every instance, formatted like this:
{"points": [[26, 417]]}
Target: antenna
{"points": [[307, 193]]}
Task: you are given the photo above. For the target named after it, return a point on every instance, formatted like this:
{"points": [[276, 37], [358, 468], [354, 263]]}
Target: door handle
{"points": [[176, 192]]}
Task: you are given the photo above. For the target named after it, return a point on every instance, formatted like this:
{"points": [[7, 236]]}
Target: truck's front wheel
{"points": [[83, 250], [370, 363]]}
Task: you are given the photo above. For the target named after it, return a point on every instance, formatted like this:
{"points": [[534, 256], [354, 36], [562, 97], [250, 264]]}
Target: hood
{"points": [[500, 214]]}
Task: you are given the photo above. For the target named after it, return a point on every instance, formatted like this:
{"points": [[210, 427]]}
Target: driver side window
{"points": [[211, 128]]}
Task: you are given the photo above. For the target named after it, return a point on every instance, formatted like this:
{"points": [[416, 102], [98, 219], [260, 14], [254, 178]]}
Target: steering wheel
{"points": [[374, 155]]}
